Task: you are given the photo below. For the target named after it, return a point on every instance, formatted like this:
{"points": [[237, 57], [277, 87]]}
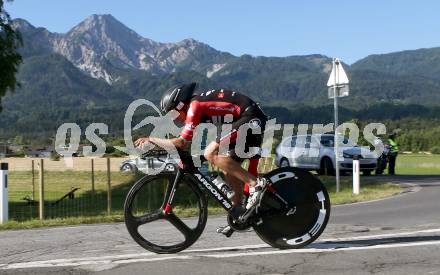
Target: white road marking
{"points": [[152, 257], [242, 247], [82, 263], [227, 255], [318, 250]]}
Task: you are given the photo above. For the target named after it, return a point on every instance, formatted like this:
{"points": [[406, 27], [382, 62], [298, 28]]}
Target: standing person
{"points": [[394, 149]]}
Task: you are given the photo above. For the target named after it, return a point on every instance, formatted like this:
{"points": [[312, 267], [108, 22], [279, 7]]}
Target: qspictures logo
{"points": [[164, 126]]}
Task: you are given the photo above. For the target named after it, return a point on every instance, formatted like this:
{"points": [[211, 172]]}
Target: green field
{"points": [[91, 207], [418, 164]]}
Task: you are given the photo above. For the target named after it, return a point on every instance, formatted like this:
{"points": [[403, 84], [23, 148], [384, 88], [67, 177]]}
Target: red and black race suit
{"points": [[225, 106]]}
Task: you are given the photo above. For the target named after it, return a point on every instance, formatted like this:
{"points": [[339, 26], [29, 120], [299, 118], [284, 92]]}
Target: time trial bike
{"points": [[292, 212]]}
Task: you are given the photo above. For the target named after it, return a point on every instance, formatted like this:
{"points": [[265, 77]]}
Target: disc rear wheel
{"points": [[307, 215]]}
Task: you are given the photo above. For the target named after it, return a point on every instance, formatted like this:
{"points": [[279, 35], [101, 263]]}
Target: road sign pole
{"points": [[336, 145], [338, 83], [4, 193]]}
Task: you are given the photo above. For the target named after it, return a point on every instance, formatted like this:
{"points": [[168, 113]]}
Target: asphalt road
{"points": [[399, 235]]}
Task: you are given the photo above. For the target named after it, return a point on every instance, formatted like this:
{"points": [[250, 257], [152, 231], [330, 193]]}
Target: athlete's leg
{"points": [[237, 186], [227, 162], [229, 165]]}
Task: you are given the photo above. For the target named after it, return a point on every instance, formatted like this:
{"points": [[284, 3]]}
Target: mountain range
{"points": [[92, 72]]}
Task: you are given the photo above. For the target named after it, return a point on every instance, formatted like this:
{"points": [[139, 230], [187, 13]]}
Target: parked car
{"points": [[316, 152], [154, 160], [150, 160]]}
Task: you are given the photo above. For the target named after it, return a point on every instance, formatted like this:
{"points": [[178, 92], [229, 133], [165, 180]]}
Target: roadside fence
{"points": [[47, 189]]}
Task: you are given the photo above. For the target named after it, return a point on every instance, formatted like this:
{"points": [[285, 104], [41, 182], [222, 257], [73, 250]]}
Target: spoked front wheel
{"points": [[149, 223], [304, 220]]}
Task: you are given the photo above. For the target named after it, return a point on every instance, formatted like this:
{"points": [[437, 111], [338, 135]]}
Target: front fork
{"points": [[169, 196]]}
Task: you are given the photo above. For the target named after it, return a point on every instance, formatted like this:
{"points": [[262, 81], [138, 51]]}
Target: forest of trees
{"points": [[417, 127]]}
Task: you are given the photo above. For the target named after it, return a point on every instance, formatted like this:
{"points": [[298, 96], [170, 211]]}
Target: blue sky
{"points": [[347, 29]]}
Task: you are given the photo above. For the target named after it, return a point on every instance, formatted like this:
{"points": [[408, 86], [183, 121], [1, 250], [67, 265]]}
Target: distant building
{"points": [[4, 148], [14, 148], [9, 148], [38, 152]]}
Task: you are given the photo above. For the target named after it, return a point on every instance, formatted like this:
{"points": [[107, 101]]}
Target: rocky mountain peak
{"points": [[191, 44], [22, 25], [102, 46], [189, 41], [95, 23]]}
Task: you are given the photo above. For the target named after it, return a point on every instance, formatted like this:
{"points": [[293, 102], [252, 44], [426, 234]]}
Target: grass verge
{"points": [[418, 164], [370, 190]]}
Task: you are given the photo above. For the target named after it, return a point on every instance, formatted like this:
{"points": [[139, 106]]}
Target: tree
{"points": [[18, 140], [10, 59]]}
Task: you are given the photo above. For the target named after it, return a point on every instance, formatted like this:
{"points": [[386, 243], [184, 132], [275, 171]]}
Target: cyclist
{"points": [[217, 106]]}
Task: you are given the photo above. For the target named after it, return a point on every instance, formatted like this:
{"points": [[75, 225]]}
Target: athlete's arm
{"points": [[191, 121], [161, 142]]}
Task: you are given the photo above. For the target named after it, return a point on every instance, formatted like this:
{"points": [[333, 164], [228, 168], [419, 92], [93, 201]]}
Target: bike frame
{"points": [[199, 179]]}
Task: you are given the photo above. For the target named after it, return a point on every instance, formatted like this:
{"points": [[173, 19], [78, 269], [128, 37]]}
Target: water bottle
{"points": [[223, 186]]}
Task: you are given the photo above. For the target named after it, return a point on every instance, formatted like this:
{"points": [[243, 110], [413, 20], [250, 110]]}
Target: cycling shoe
{"points": [[226, 230], [255, 192]]}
